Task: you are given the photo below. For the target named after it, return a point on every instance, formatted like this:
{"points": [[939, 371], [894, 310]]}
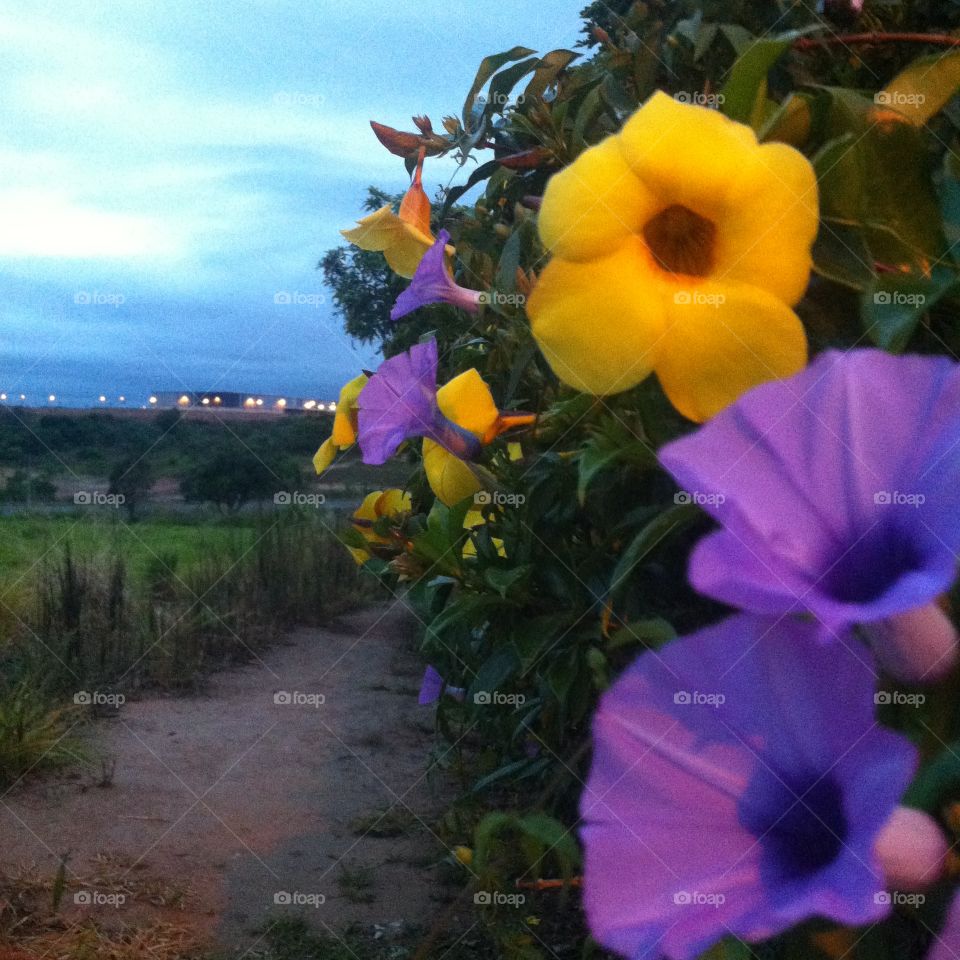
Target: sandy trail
{"points": [[237, 799]]}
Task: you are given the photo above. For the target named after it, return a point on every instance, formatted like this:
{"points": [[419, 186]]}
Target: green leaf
{"points": [[665, 524], [924, 88], [646, 633], [938, 781], [488, 67], [549, 69], [504, 580], [789, 123], [745, 91], [891, 307]]}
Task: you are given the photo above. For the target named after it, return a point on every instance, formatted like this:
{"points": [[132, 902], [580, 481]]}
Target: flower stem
{"points": [[852, 39]]}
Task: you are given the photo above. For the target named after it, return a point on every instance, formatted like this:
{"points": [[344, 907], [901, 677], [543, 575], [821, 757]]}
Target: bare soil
{"points": [[260, 798]]}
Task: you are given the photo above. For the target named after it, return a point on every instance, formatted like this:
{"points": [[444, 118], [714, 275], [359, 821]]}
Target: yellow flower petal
{"points": [[515, 451], [393, 502], [345, 419], [360, 557], [324, 456], [599, 324], [725, 339], [450, 478], [774, 215], [594, 204], [405, 255], [468, 402], [687, 155], [377, 231], [367, 512]]}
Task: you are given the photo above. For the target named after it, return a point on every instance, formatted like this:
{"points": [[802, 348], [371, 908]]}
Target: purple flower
{"points": [[434, 686], [400, 401], [838, 491], [738, 786], [433, 283]]}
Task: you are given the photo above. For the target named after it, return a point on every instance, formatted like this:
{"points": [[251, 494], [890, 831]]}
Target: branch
{"points": [[853, 39]]}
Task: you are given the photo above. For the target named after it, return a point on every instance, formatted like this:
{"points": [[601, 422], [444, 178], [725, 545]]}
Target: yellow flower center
{"points": [[681, 241]]}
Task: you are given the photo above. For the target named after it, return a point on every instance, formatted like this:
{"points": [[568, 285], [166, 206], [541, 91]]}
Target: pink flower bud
{"points": [[912, 850], [918, 646]]}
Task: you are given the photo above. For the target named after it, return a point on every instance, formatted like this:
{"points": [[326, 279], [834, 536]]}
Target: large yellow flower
{"points": [[403, 239], [344, 433], [467, 401], [679, 247]]}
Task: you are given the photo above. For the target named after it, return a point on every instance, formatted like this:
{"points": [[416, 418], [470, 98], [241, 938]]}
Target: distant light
{"points": [[23, 396], [217, 401], [3, 396], [52, 398], [206, 401], [123, 399], [259, 402], [184, 401], [332, 408], [310, 404], [103, 399], [249, 402], [281, 403], [152, 399]]}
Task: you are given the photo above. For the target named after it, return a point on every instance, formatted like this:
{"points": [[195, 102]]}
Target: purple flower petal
{"points": [[738, 785], [432, 283], [398, 402], [431, 688], [838, 490]]}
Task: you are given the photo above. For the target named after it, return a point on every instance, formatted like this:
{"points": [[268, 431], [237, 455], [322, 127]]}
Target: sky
{"points": [[170, 169]]}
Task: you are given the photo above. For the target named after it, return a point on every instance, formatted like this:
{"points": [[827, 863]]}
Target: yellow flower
{"points": [[403, 239], [679, 247], [468, 402], [463, 855], [344, 433], [391, 503], [472, 521]]}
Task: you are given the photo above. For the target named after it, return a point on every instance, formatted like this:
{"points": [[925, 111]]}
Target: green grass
{"points": [[27, 541]]}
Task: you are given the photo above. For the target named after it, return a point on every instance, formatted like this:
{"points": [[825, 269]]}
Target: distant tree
{"points": [[21, 487], [132, 479], [230, 480], [364, 287]]}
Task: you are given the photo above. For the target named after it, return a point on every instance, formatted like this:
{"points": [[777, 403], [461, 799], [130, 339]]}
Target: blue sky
{"points": [[167, 168]]}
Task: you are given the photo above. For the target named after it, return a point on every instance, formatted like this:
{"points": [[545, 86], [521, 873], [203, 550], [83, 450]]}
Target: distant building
{"points": [[228, 400]]}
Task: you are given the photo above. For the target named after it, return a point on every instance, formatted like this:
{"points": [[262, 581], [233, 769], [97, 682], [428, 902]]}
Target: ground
{"points": [[297, 785]]}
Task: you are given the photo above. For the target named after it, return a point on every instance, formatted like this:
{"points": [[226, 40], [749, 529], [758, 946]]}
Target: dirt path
{"points": [[225, 806]]}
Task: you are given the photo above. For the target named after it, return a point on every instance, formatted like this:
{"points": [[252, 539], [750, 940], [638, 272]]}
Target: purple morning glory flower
{"points": [[433, 283], [434, 686], [838, 492], [739, 785], [400, 401]]}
